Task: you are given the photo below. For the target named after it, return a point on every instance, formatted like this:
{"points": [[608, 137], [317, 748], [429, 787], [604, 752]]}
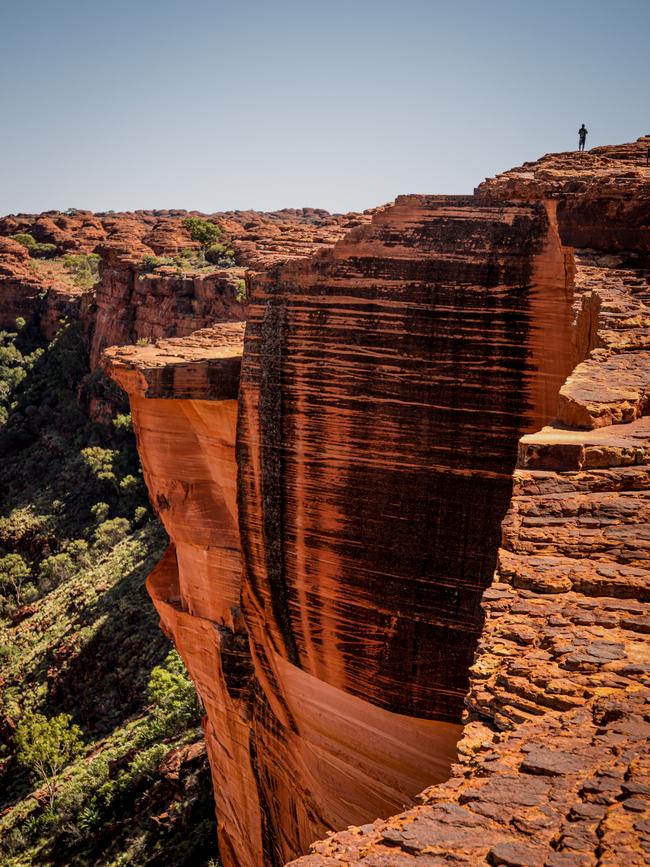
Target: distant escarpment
{"points": [[143, 275], [413, 513]]}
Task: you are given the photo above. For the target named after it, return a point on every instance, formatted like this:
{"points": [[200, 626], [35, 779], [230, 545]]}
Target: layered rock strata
{"points": [[553, 764], [329, 558], [385, 384]]}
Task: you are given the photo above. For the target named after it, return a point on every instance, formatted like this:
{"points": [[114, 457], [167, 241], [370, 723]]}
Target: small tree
{"points": [[100, 512], [55, 569], [203, 231], [83, 268], [108, 534], [14, 572], [173, 695], [47, 746], [101, 463]]}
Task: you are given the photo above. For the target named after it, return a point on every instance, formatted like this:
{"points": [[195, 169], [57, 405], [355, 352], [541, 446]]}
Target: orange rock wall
{"points": [[384, 386], [131, 306], [553, 764]]}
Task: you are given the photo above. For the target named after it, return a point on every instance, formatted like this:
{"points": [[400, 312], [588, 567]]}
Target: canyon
{"points": [[405, 480]]}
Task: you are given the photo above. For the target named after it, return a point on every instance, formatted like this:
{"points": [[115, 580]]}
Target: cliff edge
{"points": [[410, 498]]}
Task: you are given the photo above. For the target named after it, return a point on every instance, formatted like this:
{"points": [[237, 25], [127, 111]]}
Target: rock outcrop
{"points": [[553, 764], [130, 304], [329, 611]]}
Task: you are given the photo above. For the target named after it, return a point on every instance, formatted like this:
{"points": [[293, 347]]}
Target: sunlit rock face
{"points": [[336, 515], [184, 409], [554, 762], [384, 388], [334, 525], [385, 384]]}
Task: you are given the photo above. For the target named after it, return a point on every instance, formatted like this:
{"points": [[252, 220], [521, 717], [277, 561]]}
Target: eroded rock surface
{"points": [[335, 529], [385, 384], [553, 764], [131, 304]]}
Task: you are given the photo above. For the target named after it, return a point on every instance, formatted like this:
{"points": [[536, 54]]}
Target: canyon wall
{"points": [[330, 615], [553, 764], [339, 515]]}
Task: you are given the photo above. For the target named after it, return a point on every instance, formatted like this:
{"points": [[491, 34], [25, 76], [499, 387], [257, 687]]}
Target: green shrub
{"points": [[111, 532], [83, 268], [173, 696], [219, 254], [55, 569], [25, 239], [140, 516], [14, 574], [78, 548], [241, 293], [101, 463], [215, 252], [43, 251], [100, 511], [202, 231], [150, 263], [122, 422]]}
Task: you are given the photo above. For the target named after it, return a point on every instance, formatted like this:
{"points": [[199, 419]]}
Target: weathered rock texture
{"points": [[329, 614], [452, 398], [553, 763]]}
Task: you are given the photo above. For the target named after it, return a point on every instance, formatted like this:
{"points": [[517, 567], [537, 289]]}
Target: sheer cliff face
{"points": [[334, 486], [384, 386], [554, 764]]}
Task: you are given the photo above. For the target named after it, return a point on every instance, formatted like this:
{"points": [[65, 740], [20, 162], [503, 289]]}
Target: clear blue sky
{"points": [[341, 104]]}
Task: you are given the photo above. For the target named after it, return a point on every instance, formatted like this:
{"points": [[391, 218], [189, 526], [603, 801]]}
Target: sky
{"points": [[338, 104]]}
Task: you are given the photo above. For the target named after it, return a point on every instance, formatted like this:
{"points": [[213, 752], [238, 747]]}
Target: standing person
{"points": [[582, 137]]}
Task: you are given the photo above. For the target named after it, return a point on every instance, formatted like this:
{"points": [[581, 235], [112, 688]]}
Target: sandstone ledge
{"points": [[202, 366]]}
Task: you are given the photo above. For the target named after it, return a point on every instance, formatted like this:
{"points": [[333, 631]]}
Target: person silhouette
{"points": [[582, 137]]}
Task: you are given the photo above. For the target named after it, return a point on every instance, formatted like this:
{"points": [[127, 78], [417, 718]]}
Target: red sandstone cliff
{"points": [[329, 613], [553, 764]]}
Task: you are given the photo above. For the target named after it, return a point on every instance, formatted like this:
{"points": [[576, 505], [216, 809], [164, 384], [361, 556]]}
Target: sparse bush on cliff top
{"points": [[220, 254], [83, 268], [241, 293], [150, 263], [24, 238], [202, 231], [43, 251]]}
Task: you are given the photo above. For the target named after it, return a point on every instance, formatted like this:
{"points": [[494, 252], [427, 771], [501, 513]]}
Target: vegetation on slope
{"points": [[101, 753]]}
